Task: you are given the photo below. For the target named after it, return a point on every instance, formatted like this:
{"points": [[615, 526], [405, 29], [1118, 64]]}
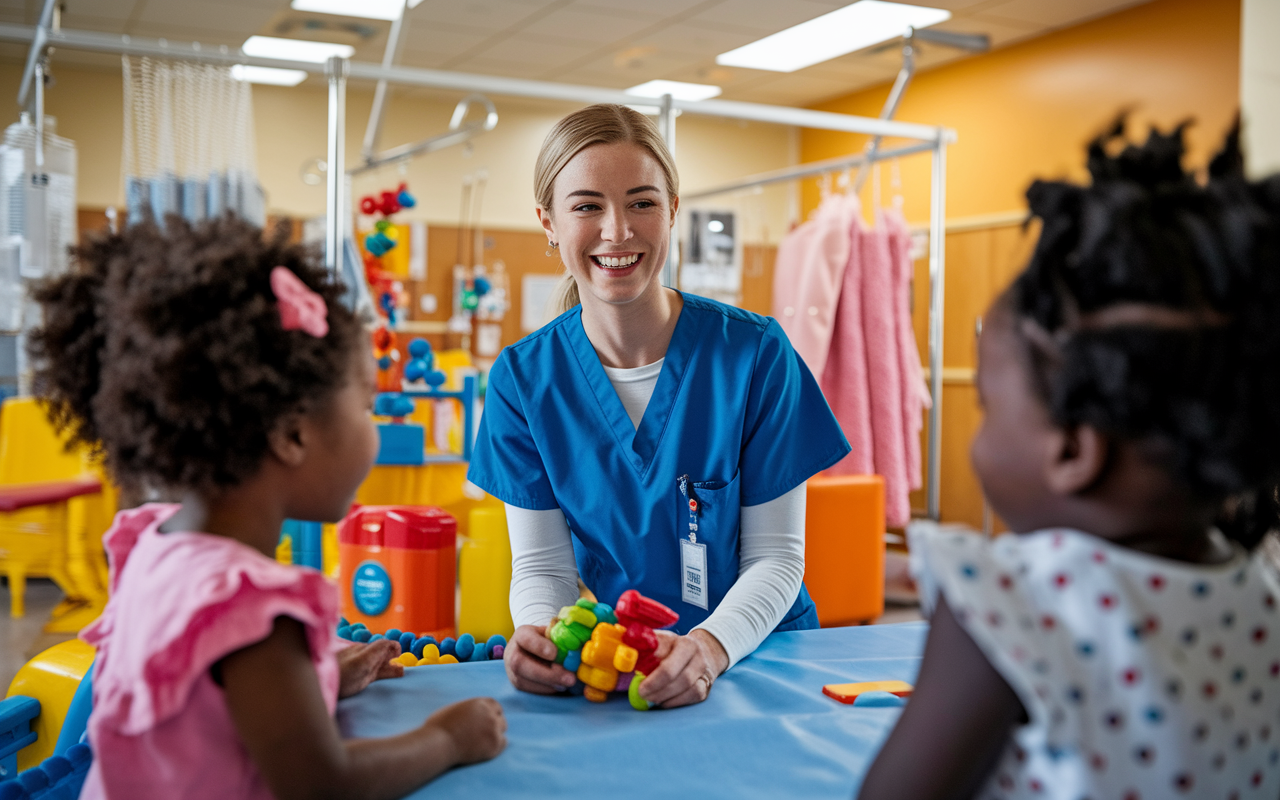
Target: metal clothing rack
{"points": [[338, 71]]}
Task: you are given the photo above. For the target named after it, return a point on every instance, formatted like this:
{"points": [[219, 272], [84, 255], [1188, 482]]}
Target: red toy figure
{"points": [[642, 616]]}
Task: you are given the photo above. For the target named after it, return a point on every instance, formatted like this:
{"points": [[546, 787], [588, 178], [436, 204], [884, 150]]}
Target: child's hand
{"points": [[476, 727], [362, 664]]}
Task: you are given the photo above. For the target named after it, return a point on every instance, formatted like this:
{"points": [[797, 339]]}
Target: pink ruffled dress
{"points": [[181, 601]]}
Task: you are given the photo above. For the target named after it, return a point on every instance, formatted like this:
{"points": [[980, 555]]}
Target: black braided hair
{"points": [[163, 350], [1203, 392]]}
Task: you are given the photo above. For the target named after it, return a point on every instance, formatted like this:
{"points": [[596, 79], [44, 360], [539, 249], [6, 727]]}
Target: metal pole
{"points": [[373, 131], [937, 276], [890, 108], [39, 114], [336, 69], [38, 44], [667, 127]]}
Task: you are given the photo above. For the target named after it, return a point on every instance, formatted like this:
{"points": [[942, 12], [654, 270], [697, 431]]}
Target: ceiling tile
{"points": [[201, 15], [647, 9], [630, 66], [1053, 14], [697, 39], [489, 15], [102, 9], [761, 17], [432, 46], [538, 54], [587, 25]]}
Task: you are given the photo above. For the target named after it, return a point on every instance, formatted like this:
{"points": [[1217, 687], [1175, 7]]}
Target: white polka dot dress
{"points": [[1142, 677]]}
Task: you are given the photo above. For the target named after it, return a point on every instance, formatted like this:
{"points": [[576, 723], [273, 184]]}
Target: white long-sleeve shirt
{"points": [[544, 574]]}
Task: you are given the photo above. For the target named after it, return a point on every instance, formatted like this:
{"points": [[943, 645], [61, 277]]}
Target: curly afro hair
{"points": [[163, 350], [1155, 300]]}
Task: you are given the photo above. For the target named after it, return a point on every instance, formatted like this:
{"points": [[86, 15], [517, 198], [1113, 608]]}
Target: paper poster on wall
{"points": [[712, 256], [536, 292]]}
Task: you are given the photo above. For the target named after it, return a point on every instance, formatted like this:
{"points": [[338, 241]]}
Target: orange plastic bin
{"points": [[844, 548], [397, 568]]}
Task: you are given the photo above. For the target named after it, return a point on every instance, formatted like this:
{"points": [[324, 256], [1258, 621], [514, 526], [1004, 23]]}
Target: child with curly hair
{"points": [[216, 365], [1124, 642]]}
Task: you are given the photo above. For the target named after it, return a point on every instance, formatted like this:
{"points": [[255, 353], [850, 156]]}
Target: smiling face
{"points": [[611, 216]]}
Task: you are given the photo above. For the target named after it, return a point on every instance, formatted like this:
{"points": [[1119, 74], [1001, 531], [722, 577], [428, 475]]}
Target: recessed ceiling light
{"points": [[271, 75], [369, 9], [677, 89], [294, 49], [842, 31]]}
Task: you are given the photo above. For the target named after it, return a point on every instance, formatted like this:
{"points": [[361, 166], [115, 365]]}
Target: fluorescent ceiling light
{"points": [[369, 9], [842, 31], [294, 49], [271, 75], [677, 89]]}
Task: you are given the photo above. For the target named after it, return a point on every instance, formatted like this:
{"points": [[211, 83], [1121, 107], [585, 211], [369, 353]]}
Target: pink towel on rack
{"points": [[879, 325], [845, 380], [806, 281], [915, 393]]}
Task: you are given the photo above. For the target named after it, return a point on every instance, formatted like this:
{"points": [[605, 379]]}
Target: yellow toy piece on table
{"points": [[604, 657], [847, 693], [52, 678]]}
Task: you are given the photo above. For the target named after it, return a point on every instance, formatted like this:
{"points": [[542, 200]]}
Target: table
{"points": [[766, 730]]}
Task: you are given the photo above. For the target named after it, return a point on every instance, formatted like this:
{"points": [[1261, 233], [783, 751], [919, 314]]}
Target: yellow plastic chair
{"points": [[52, 678], [54, 507]]}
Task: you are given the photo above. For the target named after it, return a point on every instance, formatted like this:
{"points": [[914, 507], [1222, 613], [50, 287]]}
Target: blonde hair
{"points": [[604, 123]]}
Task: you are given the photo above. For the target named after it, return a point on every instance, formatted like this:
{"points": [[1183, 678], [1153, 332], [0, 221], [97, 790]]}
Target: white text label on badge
{"points": [[693, 573]]}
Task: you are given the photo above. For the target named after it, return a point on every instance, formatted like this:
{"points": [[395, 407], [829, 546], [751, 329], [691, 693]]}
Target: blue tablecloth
{"points": [[766, 731]]}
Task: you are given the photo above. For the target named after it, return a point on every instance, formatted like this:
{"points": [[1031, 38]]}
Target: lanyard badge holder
{"points": [[693, 555]]}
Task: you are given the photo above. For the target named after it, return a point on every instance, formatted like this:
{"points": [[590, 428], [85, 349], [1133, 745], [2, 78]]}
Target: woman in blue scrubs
{"points": [[647, 439]]}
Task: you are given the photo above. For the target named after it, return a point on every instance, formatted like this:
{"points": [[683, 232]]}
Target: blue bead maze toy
{"points": [[425, 649], [421, 365]]}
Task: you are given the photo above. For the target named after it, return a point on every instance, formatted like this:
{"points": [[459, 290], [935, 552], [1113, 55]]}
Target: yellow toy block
{"points": [[624, 660], [61, 540], [448, 659], [848, 692], [52, 678], [407, 659], [430, 655]]}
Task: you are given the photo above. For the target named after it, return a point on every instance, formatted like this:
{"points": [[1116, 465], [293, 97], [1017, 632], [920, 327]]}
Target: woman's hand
{"points": [[690, 664], [530, 659], [362, 664]]}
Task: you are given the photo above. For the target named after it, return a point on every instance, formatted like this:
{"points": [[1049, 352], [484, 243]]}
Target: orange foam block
{"points": [[844, 548]]}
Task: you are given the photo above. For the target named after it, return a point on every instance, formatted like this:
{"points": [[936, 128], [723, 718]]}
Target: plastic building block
{"points": [[849, 692], [496, 655], [448, 659], [464, 647], [495, 641], [361, 635], [430, 655], [449, 646], [406, 642], [573, 660], [407, 659], [421, 643], [633, 694]]}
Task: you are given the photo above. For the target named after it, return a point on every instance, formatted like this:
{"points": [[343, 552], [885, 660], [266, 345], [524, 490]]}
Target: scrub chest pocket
{"points": [[708, 514]]}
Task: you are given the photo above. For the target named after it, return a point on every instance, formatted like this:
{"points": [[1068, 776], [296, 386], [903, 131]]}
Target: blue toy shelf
{"points": [[403, 442]]}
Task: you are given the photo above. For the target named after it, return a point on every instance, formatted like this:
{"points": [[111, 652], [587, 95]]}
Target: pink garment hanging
{"points": [[884, 378], [806, 281], [915, 393], [844, 382]]}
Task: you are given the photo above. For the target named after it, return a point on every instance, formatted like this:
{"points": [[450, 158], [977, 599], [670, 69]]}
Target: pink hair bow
{"points": [[300, 307]]}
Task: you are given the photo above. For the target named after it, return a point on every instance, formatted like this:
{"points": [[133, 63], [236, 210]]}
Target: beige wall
{"points": [[291, 129], [1260, 83]]}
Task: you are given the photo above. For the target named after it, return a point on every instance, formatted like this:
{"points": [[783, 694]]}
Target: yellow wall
{"points": [[1025, 111], [290, 125]]}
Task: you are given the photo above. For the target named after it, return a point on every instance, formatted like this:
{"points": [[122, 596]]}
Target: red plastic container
{"points": [[397, 568]]}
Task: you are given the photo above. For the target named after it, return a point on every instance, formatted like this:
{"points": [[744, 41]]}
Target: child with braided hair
{"points": [[1124, 642], [215, 365]]}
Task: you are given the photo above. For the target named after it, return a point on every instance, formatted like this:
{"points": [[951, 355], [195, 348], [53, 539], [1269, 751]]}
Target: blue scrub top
{"points": [[734, 408]]}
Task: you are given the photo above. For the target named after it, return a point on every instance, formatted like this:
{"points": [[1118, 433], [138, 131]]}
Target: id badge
{"points": [[693, 572]]}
